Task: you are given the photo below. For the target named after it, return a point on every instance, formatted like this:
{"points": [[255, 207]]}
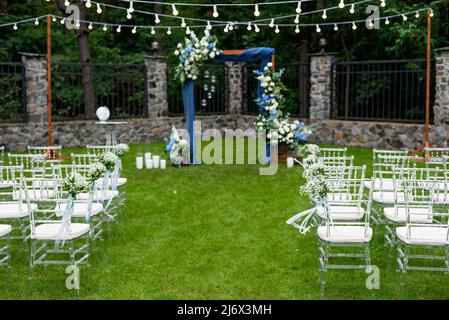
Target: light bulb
{"points": [[231, 26], [335, 27], [352, 10], [63, 21], [249, 28], [88, 4], [277, 29], [36, 22], [298, 8], [431, 13], [15, 26], [354, 26], [119, 28], [131, 8], [382, 3], [297, 29], [209, 26], [90, 26], [174, 11], [324, 16], [256, 28], [226, 28], [371, 23], [404, 17], [156, 19], [183, 23], [153, 31], [215, 14], [99, 9], [387, 21], [77, 24], [67, 3], [53, 19], [105, 28], [271, 23], [187, 30], [318, 29], [417, 15], [341, 5], [128, 15], [169, 31], [256, 10], [297, 19], [134, 30]]}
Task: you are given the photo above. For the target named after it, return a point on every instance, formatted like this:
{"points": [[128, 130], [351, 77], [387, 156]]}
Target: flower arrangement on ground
{"points": [[178, 149], [193, 53]]}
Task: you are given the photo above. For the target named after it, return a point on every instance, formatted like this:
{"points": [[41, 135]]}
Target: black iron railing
{"points": [[120, 87], [393, 90], [210, 91], [12, 92], [296, 78]]}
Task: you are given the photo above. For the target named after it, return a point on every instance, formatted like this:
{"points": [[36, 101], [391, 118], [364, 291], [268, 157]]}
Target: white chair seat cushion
{"points": [[345, 234], [388, 197], [15, 210], [4, 184], [99, 195], [5, 229], [35, 195], [381, 184], [80, 209], [50, 231], [424, 235], [120, 182], [343, 212], [417, 215]]}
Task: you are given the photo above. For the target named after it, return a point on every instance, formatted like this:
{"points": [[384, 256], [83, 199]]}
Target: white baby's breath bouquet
{"points": [[95, 171], [76, 184], [109, 160], [121, 149]]}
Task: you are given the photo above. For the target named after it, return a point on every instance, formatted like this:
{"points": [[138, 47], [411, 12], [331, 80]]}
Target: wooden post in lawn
{"points": [[49, 102], [428, 75]]}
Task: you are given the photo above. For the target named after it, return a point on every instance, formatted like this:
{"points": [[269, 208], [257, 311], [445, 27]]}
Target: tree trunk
{"points": [[85, 58]]}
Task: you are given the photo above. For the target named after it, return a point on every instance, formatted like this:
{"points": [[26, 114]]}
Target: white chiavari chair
{"points": [[420, 241], [333, 152], [83, 159], [50, 153], [98, 150], [33, 164], [5, 257], [435, 155], [2, 155], [353, 236]]}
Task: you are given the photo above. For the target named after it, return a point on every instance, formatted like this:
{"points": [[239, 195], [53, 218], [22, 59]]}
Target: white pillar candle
{"points": [[156, 160], [139, 162], [149, 164], [147, 156], [163, 164], [290, 162]]}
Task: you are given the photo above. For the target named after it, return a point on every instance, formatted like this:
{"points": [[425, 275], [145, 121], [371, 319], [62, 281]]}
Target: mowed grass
{"points": [[214, 232]]}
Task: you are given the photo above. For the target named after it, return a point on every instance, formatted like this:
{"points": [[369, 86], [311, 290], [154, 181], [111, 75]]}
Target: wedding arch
{"points": [[262, 55]]}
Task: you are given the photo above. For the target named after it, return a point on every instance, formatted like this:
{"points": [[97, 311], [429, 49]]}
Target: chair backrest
{"points": [[62, 171], [333, 152], [51, 153], [11, 180], [31, 163], [2, 155], [44, 189], [436, 155], [384, 162], [83, 159], [98, 150]]}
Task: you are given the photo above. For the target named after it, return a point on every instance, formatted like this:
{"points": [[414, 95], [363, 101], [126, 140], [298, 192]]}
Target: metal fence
{"points": [[12, 92], [210, 91], [120, 87], [296, 78], [393, 90]]}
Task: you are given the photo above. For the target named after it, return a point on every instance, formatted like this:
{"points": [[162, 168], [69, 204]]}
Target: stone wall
{"points": [[321, 85], [156, 77], [441, 107]]}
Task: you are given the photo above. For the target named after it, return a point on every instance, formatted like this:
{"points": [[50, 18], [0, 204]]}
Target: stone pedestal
{"points": [[234, 79]]}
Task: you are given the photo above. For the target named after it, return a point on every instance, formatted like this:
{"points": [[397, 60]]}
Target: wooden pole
{"points": [[49, 95], [428, 75]]}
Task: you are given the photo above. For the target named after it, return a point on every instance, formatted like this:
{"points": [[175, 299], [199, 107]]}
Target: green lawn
{"points": [[215, 232]]}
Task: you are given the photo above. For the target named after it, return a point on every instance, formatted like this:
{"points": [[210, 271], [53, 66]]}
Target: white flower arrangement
{"points": [[121, 149], [310, 149], [76, 184], [178, 149], [95, 171], [109, 160], [316, 187], [193, 53]]}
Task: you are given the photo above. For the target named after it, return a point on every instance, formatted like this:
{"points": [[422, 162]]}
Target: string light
{"points": [[128, 15], [183, 23], [67, 3], [404, 17], [271, 25], [318, 29], [371, 23], [88, 4], [431, 13], [341, 5], [215, 14], [90, 26], [119, 28], [382, 3], [387, 21], [63, 21], [352, 10], [256, 28], [249, 28], [77, 24], [256, 10], [36, 22], [324, 16], [354, 26], [297, 19], [277, 29], [187, 30], [417, 15], [15, 26], [105, 28], [131, 7], [298, 8], [174, 11], [231, 26], [153, 32], [335, 27], [226, 28], [169, 31], [297, 29], [99, 10], [134, 30], [53, 19], [209, 26], [156, 19]]}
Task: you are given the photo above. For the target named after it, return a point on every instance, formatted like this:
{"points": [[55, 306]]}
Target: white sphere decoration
{"points": [[103, 114]]}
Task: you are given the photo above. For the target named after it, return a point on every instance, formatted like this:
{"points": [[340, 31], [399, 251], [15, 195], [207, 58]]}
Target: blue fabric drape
{"points": [[263, 55]]}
